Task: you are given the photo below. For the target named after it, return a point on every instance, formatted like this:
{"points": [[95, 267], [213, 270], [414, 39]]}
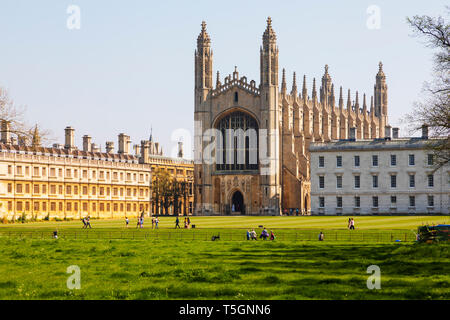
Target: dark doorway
{"points": [[306, 205], [237, 202]]}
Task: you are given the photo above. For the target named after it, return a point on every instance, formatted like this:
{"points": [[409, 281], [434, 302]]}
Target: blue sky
{"points": [[130, 67]]}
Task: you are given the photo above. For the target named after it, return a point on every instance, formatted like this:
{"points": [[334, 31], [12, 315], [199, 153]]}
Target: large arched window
{"points": [[237, 148]]}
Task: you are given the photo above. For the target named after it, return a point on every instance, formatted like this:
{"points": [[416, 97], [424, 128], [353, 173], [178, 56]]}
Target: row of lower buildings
{"points": [[378, 177], [65, 182]]}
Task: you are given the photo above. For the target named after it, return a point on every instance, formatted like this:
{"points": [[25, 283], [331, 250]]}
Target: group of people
{"points": [[187, 223], [251, 235], [155, 222], [291, 212], [86, 222], [140, 222]]}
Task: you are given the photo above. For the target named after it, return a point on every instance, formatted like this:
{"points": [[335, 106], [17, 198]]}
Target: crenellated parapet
{"points": [[234, 81]]}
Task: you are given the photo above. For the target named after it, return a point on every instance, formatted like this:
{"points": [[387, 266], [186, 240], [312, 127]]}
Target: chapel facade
{"points": [[268, 173]]}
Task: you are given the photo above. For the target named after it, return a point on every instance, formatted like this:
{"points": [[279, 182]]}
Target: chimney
{"points": [[145, 151], [352, 133], [95, 147], [6, 134], [137, 150], [70, 141], [394, 133], [387, 132], [124, 144], [87, 147], [180, 149], [109, 147], [424, 131]]}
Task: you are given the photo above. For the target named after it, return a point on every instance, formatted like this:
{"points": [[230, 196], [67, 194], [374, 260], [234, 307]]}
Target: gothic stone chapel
{"points": [[264, 174]]}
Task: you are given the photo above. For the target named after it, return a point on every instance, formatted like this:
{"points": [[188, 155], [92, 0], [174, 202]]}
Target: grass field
{"points": [[116, 269], [146, 268], [244, 222]]}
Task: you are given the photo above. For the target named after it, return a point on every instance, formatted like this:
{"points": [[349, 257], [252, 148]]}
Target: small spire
{"points": [[151, 134], [371, 105], [218, 84], [357, 102], [349, 101], [332, 98], [294, 85], [304, 90], [283, 81], [380, 74], [203, 37], [326, 69], [235, 73], [314, 93], [341, 99], [269, 36]]}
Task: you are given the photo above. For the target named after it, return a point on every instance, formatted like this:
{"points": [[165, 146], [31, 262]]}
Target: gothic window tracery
{"points": [[239, 147]]}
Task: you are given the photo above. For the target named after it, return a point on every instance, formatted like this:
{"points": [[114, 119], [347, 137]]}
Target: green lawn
{"points": [[117, 263], [243, 222], [119, 269]]}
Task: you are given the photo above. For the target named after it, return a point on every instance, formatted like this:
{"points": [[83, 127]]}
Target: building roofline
{"points": [[374, 144]]}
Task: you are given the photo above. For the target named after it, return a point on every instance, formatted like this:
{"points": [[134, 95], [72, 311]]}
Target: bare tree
{"points": [[26, 134], [434, 109]]}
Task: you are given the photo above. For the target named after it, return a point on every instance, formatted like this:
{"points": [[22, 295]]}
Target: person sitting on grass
{"points": [[253, 235]]}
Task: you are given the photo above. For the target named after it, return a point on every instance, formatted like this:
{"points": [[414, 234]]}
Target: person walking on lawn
{"points": [[88, 222]]}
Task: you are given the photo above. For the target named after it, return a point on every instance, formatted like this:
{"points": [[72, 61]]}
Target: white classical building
{"points": [[380, 176]]}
